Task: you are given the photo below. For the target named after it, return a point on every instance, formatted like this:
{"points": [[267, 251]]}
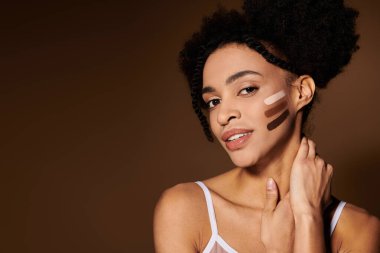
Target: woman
{"points": [[257, 73]]}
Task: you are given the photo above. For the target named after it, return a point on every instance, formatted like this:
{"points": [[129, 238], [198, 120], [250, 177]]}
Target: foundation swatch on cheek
{"points": [[278, 121], [278, 108], [274, 98], [278, 104]]}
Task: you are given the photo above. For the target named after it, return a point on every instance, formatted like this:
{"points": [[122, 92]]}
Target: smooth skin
{"points": [[273, 200]]}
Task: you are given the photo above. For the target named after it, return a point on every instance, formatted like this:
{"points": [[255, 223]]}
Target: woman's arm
{"points": [[309, 235], [298, 219], [309, 192], [174, 228]]}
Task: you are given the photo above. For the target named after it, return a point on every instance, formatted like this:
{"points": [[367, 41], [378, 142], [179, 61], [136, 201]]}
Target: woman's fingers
{"points": [[310, 185], [277, 221], [271, 196], [311, 144], [319, 162], [330, 169], [303, 150], [327, 193]]}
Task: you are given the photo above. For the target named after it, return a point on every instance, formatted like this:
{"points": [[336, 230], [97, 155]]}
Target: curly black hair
{"points": [[313, 37]]}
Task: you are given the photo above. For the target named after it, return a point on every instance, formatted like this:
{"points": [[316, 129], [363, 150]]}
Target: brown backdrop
{"points": [[96, 121]]}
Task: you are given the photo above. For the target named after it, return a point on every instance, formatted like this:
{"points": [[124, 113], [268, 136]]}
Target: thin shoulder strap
{"points": [[336, 216], [210, 207]]}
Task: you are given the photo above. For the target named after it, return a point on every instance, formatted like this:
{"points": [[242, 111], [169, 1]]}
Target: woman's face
{"points": [[250, 109]]}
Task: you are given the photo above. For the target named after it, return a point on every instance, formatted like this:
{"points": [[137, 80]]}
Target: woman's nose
{"points": [[226, 113]]}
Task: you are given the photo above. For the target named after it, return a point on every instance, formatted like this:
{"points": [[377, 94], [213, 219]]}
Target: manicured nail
{"points": [[270, 184]]}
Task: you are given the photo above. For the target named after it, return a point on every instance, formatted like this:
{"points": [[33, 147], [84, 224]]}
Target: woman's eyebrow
{"points": [[240, 74], [231, 79]]}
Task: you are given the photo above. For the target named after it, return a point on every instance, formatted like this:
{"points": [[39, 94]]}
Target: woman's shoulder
{"points": [[355, 218], [189, 197], [181, 199], [358, 229], [181, 195], [179, 217]]}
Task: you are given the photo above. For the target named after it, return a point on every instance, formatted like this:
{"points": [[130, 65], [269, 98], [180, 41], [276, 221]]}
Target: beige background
{"points": [[96, 121]]}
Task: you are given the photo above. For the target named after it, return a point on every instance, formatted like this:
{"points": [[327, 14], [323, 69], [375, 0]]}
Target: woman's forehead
{"points": [[234, 58]]}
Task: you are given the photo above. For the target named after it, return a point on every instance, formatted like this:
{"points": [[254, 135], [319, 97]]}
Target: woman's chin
{"points": [[243, 160]]}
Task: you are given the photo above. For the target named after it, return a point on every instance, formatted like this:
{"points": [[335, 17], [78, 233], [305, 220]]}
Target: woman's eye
{"points": [[248, 90], [212, 103]]}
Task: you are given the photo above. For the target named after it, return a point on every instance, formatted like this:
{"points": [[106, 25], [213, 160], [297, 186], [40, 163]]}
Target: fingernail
{"points": [[270, 184]]}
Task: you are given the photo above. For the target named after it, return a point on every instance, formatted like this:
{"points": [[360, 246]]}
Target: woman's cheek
{"points": [[213, 123], [277, 109]]}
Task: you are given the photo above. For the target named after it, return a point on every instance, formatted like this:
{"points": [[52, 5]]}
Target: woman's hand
{"points": [[310, 181], [277, 222], [310, 191]]}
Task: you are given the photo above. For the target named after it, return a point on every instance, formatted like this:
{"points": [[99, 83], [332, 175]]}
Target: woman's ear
{"points": [[303, 92]]}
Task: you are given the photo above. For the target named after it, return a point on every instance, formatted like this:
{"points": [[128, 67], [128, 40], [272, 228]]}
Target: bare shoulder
{"points": [[356, 219], [178, 199], [178, 218], [359, 230]]}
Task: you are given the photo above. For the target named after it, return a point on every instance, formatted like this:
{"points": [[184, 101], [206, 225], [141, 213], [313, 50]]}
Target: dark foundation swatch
{"points": [[278, 121], [278, 108]]}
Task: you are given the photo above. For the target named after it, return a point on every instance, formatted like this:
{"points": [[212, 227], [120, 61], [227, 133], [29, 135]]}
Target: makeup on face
{"points": [[278, 104], [278, 121], [274, 98], [278, 108]]}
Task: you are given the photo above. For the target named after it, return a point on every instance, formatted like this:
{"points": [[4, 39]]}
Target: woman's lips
{"points": [[238, 143]]}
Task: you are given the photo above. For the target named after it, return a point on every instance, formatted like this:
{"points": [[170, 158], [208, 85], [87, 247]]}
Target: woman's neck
{"points": [[251, 182]]}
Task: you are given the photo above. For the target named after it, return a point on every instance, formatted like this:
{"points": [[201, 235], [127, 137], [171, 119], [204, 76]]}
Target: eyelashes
{"points": [[277, 105], [245, 91], [208, 104], [249, 89]]}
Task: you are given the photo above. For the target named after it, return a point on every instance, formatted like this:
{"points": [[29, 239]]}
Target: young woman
{"points": [[257, 73]]}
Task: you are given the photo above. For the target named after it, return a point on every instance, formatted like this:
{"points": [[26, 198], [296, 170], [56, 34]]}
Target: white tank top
{"points": [[216, 244]]}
